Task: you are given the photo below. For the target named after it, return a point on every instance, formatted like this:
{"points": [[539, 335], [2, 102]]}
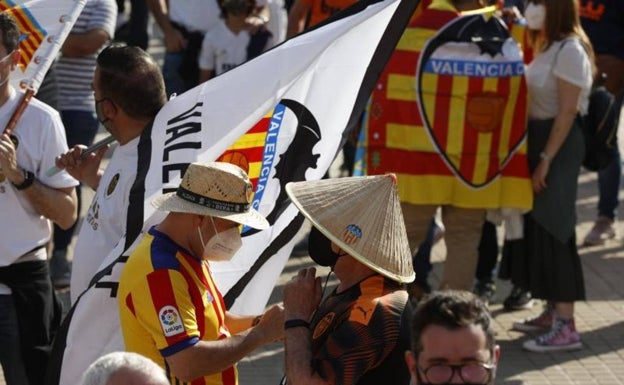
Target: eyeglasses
{"points": [[470, 373]]}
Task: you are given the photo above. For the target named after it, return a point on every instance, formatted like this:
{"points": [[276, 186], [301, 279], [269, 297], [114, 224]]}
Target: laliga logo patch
{"points": [[112, 185], [170, 321], [351, 234]]}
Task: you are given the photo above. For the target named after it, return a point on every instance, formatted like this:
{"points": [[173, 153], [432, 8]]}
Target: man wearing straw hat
{"points": [[360, 332], [170, 308], [29, 200]]}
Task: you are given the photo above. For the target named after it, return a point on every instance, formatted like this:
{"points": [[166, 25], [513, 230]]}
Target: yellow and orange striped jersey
{"points": [[168, 302]]}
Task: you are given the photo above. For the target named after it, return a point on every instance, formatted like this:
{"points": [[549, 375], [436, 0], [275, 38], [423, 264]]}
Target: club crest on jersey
{"points": [[323, 325], [170, 321], [352, 234], [112, 185]]}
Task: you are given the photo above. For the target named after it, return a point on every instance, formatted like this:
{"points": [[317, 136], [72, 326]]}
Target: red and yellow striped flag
{"points": [[43, 25]]}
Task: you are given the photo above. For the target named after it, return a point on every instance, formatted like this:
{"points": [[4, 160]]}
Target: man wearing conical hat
{"points": [[359, 333], [170, 308]]}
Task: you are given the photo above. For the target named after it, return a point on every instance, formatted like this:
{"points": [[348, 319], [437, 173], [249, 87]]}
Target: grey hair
{"points": [[100, 371]]}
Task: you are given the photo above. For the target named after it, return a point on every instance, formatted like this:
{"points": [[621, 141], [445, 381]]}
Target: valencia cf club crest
{"points": [[323, 325], [351, 234], [112, 185], [471, 91]]}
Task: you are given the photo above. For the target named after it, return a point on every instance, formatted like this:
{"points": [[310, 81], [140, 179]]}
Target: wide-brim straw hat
{"points": [[362, 216], [218, 189]]}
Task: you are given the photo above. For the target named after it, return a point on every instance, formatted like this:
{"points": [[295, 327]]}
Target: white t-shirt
{"points": [[198, 15], [41, 138], [223, 49], [570, 63], [195, 15], [105, 221]]}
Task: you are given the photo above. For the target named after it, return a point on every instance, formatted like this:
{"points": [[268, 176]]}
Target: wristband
{"points": [[29, 178], [296, 323]]}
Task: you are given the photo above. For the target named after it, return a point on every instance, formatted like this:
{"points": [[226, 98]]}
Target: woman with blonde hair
{"points": [[559, 81]]}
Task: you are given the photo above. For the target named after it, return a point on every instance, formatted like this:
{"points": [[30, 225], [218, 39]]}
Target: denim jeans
{"points": [[10, 351], [80, 128], [174, 84], [610, 178]]}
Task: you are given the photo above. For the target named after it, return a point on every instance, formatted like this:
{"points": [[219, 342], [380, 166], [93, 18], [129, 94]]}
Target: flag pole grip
{"points": [[19, 110], [89, 150]]}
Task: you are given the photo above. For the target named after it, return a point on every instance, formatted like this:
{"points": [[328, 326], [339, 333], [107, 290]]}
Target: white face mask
{"points": [[535, 15], [222, 246]]}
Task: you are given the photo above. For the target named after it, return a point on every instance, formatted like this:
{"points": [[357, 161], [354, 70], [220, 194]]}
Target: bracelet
{"points": [[262, 18], [544, 156], [29, 178], [296, 323]]}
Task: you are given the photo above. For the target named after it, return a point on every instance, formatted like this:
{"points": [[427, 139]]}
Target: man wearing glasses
{"points": [[452, 341]]}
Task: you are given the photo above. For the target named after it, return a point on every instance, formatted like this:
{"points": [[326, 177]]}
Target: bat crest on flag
{"points": [[464, 79]]}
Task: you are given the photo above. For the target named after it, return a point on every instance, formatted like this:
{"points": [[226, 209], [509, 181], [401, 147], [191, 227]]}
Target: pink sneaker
{"points": [[603, 230], [561, 337], [541, 322]]}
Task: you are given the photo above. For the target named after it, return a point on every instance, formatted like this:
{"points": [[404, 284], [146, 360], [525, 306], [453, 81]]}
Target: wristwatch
{"points": [[29, 178], [544, 156]]}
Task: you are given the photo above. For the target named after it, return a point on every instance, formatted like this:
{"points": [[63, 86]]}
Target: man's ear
{"points": [[199, 219], [412, 365], [15, 57], [108, 108]]}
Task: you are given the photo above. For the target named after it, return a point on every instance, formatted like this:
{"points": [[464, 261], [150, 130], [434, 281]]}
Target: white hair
{"points": [[100, 371]]}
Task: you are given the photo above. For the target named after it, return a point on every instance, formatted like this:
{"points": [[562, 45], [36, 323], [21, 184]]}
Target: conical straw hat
{"points": [[362, 215]]}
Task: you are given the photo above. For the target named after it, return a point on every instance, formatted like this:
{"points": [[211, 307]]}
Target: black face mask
{"points": [[319, 247]]}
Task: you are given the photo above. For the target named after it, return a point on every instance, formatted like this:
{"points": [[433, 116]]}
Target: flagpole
{"points": [[33, 83], [19, 111], [88, 151]]}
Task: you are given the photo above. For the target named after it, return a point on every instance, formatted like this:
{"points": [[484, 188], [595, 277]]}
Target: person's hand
{"points": [[271, 324], [539, 176], [510, 15], [81, 169], [8, 160], [174, 41], [254, 23], [302, 295]]}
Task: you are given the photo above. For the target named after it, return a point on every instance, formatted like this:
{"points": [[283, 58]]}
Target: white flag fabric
{"points": [[284, 116], [44, 26]]}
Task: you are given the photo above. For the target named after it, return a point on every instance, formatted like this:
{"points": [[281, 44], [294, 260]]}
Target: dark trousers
{"points": [[38, 313], [488, 253]]}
